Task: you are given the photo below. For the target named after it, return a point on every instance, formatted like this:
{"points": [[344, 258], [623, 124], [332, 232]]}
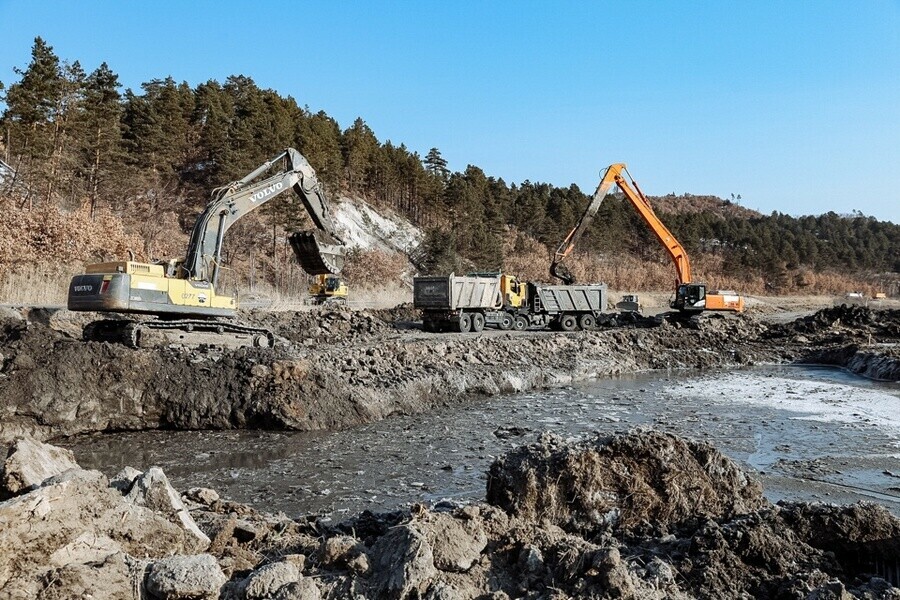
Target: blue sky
{"points": [[794, 105]]}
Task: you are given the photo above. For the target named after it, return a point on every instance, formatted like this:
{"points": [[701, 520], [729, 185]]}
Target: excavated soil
{"points": [[639, 515], [644, 514], [336, 369]]}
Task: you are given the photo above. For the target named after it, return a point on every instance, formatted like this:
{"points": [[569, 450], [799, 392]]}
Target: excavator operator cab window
{"points": [[332, 284], [695, 293]]}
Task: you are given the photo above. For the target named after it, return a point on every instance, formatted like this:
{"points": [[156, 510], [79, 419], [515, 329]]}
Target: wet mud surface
{"points": [[812, 433]]}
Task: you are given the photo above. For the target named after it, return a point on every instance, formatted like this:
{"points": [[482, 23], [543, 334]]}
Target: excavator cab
{"points": [[690, 296]]}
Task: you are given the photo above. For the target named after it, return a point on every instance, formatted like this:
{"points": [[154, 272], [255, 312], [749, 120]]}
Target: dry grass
{"points": [[38, 285]]}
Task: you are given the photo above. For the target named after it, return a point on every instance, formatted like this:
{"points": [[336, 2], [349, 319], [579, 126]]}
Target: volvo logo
{"points": [[265, 193], [83, 288]]}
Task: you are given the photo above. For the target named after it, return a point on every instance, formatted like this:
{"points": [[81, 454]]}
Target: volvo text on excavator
{"points": [[690, 296], [182, 294]]}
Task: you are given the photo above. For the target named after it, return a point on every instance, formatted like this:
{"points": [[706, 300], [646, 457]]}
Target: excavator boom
{"points": [[642, 205], [233, 201]]}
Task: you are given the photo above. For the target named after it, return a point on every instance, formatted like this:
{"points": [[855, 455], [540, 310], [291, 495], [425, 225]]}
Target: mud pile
{"points": [[323, 324], [862, 340], [72, 532], [621, 481]]}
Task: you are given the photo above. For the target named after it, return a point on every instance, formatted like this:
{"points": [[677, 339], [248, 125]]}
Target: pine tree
{"points": [[358, 145], [436, 164], [101, 145], [28, 121]]}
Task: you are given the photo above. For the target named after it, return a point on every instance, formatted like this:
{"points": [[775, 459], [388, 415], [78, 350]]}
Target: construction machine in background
{"points": [[184, 295], [328, 290], [690, 296]]}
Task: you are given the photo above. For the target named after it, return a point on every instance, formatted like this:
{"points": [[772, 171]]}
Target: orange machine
{"points": [[689, 295]]}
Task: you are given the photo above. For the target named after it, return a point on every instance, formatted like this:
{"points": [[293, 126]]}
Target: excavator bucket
{"points": [[317, 252]]}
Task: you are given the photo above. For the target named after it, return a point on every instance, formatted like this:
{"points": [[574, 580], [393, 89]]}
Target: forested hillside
{"points": [[98, 170]]}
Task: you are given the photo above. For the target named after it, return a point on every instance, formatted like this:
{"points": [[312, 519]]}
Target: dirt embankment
{"points": [[653, 516], [343, 368], [859, 339]]}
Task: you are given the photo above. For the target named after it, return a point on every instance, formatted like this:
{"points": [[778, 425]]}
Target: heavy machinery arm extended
{"points": [[689, 296], [233, 201], [183, 293], [557, 268]]}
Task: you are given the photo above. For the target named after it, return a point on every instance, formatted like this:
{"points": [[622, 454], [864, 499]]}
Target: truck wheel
{"points": [[506, 322], [477, 322], [465, 323], [568, 323], [587, 321], [520, 323]]}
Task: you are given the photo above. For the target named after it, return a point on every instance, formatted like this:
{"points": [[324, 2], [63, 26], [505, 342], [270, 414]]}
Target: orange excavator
{"points": [[690, 296]]}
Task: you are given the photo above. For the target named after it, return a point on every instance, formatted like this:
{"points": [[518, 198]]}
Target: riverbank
{"points": [[338, 369]]}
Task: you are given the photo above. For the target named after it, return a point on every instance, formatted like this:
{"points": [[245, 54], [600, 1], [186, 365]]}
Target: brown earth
{"points": [[654, 516], [336, 369]]}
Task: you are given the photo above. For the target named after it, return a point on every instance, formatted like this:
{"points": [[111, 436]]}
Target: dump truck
{"points": [[471, 302]]}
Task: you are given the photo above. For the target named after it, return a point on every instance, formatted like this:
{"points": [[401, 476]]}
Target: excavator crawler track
{"points": [[185, 332]]}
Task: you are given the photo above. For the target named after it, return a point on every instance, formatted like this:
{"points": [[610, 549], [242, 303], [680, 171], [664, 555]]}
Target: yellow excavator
{"points": [[690, 296], [182, 293], [328, 290]]}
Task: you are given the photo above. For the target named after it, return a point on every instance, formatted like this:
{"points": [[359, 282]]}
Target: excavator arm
{"points": [[557, 268], [642, 205], [324, 255], [615, 176]]}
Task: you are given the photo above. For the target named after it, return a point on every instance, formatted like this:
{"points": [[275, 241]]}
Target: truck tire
{"points": [[568, 323], [465, 323], [477, 322], [520, 323], [587, 321], [506, 322]]}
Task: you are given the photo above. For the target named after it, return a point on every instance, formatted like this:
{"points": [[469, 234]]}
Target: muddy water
{"points": [[814, 434]]}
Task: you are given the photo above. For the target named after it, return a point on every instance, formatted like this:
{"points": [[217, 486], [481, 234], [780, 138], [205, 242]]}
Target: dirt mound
{"points": [[324, 324], [845, 320], [402, 313], [621, 482], [728, 547]]}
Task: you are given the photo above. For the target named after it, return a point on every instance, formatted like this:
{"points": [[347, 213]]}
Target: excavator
{"points": [[328, 290], [690, 297], [182, 293]]}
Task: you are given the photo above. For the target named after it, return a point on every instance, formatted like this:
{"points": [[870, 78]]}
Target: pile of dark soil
{"points": [[322, 324], [844, 321], [621, 482]]}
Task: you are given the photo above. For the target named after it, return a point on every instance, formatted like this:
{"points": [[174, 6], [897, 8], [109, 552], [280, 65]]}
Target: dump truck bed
{"points": [[456, 292], [569, 298]]}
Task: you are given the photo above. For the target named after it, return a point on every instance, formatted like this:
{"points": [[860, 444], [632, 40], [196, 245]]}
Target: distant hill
{"points": [[689, 203]]}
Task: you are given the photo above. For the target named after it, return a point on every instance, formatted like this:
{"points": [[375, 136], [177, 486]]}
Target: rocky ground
{"points": [[638, 515], [336, 369]]}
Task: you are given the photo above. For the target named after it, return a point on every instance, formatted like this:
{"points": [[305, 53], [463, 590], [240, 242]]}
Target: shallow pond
{"points": [[813, 433]]}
